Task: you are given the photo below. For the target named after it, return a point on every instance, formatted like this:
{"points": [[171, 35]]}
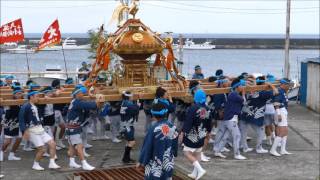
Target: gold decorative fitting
{"points": [[137, 37]]}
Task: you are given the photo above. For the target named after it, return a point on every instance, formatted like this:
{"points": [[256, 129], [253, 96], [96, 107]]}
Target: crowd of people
{"points": [[220, 119]]}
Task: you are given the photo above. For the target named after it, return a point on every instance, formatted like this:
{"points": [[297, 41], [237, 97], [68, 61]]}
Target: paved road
{"points": [[303, 141]]}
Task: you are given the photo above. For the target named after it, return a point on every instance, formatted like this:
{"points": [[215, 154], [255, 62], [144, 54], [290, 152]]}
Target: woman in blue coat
{"points": [[159, 146]]}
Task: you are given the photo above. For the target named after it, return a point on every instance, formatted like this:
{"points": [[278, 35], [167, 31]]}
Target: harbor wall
{"points": [[310, 84], [239, 43]]}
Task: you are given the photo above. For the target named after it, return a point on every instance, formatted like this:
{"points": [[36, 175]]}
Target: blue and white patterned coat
{"points": [[196, 125], [159, 148]]}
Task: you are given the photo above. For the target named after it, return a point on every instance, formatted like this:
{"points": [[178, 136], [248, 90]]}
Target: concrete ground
{"points": [[303, 142]]}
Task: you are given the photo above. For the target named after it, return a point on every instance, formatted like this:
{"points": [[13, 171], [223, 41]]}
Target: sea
{"points": [[232, 61]]}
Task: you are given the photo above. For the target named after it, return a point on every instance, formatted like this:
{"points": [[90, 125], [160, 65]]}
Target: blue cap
{"points": [[240, 83], [47, 89], [69, 81], [17, 90], [200, 96], [31, 93], [161, 113], [197, 67], [78, 86], [9, 77], [285, 81], [82, 90], [33, 86]]}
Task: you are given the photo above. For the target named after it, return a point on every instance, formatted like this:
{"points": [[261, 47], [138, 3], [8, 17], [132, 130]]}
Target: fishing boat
{"points": [[68, 44], [21, 49], [51, 73], [190, 45]]}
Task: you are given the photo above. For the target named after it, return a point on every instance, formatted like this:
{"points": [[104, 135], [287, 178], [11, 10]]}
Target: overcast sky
{"points": [[237, 17]]}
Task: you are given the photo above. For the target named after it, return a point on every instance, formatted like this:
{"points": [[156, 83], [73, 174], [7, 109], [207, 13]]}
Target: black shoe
{"points": [[128, 161]]}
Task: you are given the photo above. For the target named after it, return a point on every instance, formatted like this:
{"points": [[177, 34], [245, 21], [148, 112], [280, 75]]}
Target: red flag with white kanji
{"points": [[51, 37], [11, 32]]}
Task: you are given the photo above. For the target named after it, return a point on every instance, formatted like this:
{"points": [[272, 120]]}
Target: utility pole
{"points": [[287, 42]]}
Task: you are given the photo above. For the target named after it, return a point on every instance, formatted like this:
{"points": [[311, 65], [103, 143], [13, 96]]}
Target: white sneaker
{"points": [[193, 175], [116, 140], [88, 146], [73, 164], [86, 166], [46, 154], [1, 155], [261, 151], [249, 138], [86, 154], [201, 172], [204, 158], [247, 150], [28, 149], [219, 154], [1, 176], [53, 165], [240, 157], [285, 152], [58, 148], [275, 153], [90, 131], [94, 138], [36, 166], [60, 144], [105, 137], [225, 150], [12, 157]]}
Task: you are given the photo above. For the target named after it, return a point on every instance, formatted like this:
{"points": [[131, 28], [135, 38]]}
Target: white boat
{"points": [[68, 44], [190, 45], [21, 49], [50, 74]]}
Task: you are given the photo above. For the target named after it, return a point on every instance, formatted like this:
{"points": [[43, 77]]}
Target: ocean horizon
{"points": [[201, 35]]}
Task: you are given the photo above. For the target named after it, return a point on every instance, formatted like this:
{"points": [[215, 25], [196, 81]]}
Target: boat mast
{"points": [[287, 42]]}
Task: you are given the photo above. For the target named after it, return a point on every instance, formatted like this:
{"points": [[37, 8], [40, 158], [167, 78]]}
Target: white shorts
{"points": [[74, 139], [185, 148], [39, 139], [284, 117], [58, 118]]}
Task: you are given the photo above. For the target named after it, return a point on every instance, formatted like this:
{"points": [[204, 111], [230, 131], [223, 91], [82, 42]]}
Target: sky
{"points": [[215, 16]]}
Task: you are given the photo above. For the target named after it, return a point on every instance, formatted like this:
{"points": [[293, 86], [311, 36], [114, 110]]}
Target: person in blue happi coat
{"points": [[11, 127], [281, 106], [159, 147], [253, 115], [75, 120], [197, 73], [163, 97], [32, 130], [229, 124], [195, 129], [128, 112]]}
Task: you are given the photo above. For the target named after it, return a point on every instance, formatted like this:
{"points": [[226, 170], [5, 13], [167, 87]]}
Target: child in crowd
{"points": [[128, 113], [195, 129]]}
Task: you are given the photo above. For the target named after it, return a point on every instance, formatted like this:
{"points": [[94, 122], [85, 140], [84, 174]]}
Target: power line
{"points": [[237, 9], [58, 7], [221, 12]]}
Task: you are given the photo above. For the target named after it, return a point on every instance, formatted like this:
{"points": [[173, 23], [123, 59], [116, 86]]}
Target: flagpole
{"points": [[28, 66], [65, 62]]}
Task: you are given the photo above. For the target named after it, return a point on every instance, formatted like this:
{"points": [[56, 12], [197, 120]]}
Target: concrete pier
{"points": [[303, 142]]}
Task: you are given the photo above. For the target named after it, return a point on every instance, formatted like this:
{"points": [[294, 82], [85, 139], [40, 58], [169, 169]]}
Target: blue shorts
{"points": [[128, 133]]}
